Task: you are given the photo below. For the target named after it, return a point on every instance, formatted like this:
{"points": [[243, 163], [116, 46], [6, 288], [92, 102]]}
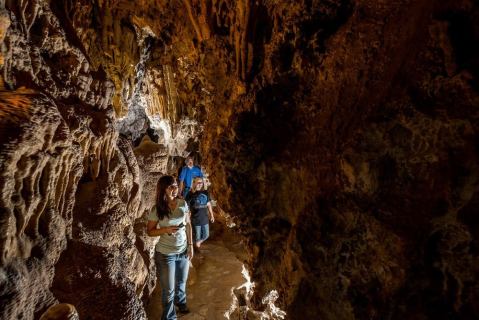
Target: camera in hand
{"points": [[178, 226]]}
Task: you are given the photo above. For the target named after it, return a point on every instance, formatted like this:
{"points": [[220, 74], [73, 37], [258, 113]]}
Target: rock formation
{"points": [[340, 136]]}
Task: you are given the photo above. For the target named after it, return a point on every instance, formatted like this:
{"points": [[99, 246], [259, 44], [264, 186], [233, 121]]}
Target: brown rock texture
{"points": [[70, 186], [62, 311], [40, 171], [350, 161], [340, 136]]}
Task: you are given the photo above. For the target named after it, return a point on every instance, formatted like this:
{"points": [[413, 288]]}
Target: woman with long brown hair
{"points": [[170, 219]]}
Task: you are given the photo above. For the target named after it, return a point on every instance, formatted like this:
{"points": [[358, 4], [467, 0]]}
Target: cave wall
{"points": [[350, 161], [340, 135], [58, 145], [341, 139], [77, 170]]}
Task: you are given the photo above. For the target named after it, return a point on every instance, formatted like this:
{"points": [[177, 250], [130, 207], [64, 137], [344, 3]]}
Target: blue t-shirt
{"points": [[198, 204], [187, 174]]}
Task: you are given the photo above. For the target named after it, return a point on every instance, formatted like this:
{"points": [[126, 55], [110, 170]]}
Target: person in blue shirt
{"points": [[187, 174]]}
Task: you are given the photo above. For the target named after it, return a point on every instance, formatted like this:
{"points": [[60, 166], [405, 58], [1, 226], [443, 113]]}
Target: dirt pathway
{"points": [[216, 271]]}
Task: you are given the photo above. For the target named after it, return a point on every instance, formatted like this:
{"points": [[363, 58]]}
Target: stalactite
{"points": [[196, 27], [203, 20], [243, 37]]}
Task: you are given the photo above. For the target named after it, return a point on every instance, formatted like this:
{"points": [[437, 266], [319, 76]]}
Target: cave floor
{"points": [[216, 271]]}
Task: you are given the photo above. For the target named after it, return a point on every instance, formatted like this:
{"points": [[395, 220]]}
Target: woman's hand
{"points": [[210, 212], [190, 252], [170, 229]]}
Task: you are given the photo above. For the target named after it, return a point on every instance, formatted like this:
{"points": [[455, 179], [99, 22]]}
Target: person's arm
{"points": [[181, 178], [180, 189], [153, 231], [211, 216], [189, 235]]}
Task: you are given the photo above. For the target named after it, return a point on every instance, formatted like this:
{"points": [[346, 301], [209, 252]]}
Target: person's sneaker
{"points": [[183, 308]]}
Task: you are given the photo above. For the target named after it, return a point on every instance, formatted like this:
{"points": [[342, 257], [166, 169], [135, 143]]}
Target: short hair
{"points": [[189, 157]]}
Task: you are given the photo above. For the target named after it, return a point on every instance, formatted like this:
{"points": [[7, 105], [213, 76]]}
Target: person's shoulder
{"points": [[184, 173], [181, 202], [153, 216], [183, 205], [198, 171]]}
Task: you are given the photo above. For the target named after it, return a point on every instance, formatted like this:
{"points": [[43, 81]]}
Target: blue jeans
{"points": [[201, 232], [173, 273]]}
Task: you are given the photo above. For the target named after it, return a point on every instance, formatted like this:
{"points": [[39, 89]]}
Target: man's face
{"points": [[189, 162]]}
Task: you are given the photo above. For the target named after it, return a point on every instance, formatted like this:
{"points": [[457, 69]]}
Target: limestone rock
{"points": [[62, 311], [40, 169]]}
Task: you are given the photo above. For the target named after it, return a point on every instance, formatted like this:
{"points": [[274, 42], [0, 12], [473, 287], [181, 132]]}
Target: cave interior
{"points": [[340, 138]]}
